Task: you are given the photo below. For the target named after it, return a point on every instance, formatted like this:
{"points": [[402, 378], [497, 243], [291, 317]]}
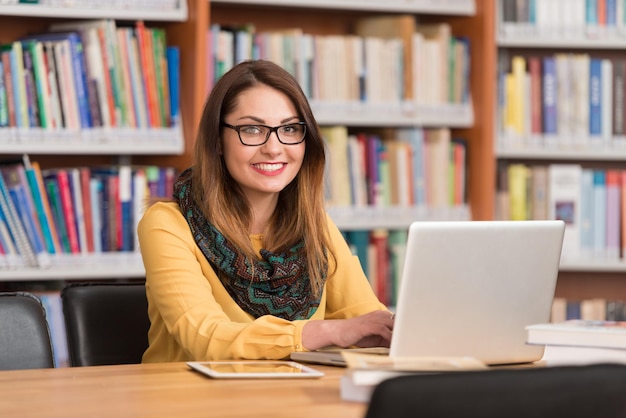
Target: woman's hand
{"points": [[370, 330]]}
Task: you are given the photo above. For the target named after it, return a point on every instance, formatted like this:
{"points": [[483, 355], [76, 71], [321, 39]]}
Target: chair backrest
{"points": [[24, 334], [543, 392], [106, 323]]}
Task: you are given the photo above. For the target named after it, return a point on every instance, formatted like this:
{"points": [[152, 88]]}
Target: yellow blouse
{"points": [[194, 318]]}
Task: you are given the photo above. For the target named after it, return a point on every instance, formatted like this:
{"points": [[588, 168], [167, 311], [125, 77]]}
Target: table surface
{"points": [[168, 390]]}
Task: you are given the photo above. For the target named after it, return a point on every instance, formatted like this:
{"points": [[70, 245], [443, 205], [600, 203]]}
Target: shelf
{"points": [[101, 12], [588, 153], [593, 266], [367, 218], [576, 41], [94, 141], [442, 7], [406, 114], [81, 267]]}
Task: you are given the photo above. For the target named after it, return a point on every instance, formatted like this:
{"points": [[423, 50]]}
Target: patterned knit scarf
{"points": [[276, 285]]}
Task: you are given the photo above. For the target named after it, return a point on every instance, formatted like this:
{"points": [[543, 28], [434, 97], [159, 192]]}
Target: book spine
{"points": [[595, 97], [79, 210], [85, 179], [18, 194], [4, 110], [17, 71], [56, 207], [126, 220], [599, 211], [10, 90], [173, 77], [80, 80], [31, 90], [15, 226], [44, 222], [65, 194], [549, 97]]}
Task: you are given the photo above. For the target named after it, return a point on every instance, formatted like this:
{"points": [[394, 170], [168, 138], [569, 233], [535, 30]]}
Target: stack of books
{"points": [[580, 341]]}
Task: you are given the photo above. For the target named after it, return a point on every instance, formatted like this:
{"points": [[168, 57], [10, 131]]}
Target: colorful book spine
{"points": [[54, 196], [16, 228], [67, 205], [173, 77], [549, 96], [595, 97]]}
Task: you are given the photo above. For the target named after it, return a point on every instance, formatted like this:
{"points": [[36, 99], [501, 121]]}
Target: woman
{"points": [[245, 263]]}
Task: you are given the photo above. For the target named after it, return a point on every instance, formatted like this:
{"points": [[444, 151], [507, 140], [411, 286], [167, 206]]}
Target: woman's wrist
{"points": [[317, 334]]}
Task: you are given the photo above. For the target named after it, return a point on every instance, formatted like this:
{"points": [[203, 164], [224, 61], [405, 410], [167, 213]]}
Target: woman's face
{"points": [[265, 169]]}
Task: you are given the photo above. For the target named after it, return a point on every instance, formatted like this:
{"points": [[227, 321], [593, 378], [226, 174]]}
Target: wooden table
{"points": [[167, 390]]}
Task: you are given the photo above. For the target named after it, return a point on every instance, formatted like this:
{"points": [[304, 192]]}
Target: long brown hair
{"points": [[300, 213]]}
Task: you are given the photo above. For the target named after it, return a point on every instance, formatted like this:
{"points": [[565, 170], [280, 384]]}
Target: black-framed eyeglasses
{"points": [[255, 135]]}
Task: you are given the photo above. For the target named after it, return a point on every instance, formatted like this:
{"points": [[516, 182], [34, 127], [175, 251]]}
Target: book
{"points": [[15, 226], [549, 102], [564, 201], [77, 204], [365, 371], [599, 212], [390, 26], [17, 184], [77, 68], [613, 218], [518, 175], [579, 333], [586, 213]]}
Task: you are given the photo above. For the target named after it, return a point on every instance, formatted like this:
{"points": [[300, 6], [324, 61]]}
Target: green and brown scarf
{"points": [[278, 284]]}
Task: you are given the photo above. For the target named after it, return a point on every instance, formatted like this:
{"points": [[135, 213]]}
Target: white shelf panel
{"points": [[406, 114], [104, 11], [92, 141], [81, 267], [541, 153], [594, 266], [367, 218], [524, 36], [443, 7]]}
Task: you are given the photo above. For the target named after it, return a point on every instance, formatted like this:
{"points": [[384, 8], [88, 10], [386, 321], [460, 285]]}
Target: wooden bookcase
{"points": [[339, 17], [189, 33], [583, 278], [21, 19]]}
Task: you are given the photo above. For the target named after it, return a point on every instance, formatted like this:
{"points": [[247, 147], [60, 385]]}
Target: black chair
{"points": [[106, 323], [24, 334], [567, 391]]}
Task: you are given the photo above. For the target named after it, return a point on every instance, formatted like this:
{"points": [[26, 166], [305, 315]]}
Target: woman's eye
{"points": [[251, 130]]}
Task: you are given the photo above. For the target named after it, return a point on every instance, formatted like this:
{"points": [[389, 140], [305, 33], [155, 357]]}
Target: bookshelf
{"points": [[555, 29], [89, 146], [467, 18], [187, 28]]}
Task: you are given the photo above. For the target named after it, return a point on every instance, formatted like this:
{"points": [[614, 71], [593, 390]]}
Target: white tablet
{"points": [[254, 369]]}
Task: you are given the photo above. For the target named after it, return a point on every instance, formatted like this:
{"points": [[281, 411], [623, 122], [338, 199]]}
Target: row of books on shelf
{"points": [[395, 167], [381, 254], [563, 99], [97, 4], [590, 18], [77, 210], [591, 201], [594, 309], [388, 59], [90, 74]]}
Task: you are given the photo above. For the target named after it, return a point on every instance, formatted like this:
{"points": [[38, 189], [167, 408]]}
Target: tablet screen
{"points": [[254, 369]]}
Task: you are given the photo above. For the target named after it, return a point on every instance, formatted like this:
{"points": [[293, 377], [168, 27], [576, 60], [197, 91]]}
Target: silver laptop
{"points": [[469, 288]]}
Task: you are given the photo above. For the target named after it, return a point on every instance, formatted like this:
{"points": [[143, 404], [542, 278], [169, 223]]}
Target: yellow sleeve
{"points": [[348, 292], [192, 316]]}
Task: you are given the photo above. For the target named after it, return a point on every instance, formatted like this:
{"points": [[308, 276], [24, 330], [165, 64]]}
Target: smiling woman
{"points": [[245, 263]]}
